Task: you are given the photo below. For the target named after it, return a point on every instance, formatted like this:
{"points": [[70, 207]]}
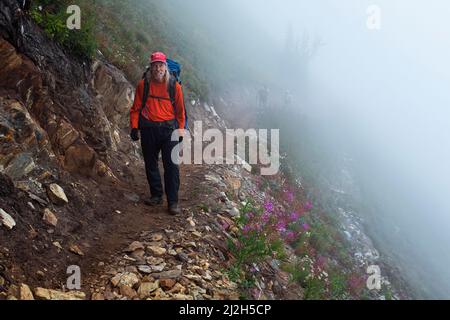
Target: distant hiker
{"points": [[287, 98], [263, 95], [156, 119]]}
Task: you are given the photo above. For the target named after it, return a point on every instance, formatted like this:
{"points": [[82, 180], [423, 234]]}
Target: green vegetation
{"points": [[53, 17]]}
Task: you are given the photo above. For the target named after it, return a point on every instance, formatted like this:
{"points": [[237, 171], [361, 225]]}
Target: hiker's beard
{"points": [[159, 76]]}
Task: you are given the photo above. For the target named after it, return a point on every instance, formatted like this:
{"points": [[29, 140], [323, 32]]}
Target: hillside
{"points": [[73, 184]]}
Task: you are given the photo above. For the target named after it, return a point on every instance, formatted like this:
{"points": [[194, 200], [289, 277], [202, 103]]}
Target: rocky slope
{"points": [[72, 185]]}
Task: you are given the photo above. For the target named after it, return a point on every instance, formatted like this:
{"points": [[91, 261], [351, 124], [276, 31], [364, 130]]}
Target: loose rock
{"points": [[48, 294], [56, 194], [7, 220], [50, 218]]}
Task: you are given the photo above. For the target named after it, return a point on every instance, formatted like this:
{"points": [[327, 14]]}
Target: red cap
{"points": [[158, 57]]}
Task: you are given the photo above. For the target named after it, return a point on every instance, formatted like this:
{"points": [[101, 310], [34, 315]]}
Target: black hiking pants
{"points": [[154, 140]]}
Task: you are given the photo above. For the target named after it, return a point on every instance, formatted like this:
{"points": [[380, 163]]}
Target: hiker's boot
{"points": [[174, 209], [153, 201]]}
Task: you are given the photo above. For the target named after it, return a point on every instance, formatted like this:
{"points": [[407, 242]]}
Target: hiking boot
{"points": [[174, 209], [153, 201]]}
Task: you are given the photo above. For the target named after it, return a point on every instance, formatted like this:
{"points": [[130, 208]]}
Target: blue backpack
{"points": [[175, 73]]}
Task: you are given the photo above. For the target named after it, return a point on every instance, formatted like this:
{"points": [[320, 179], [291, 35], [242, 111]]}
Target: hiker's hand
{"points": [[134, 134], [180, 135], [19, 12]]}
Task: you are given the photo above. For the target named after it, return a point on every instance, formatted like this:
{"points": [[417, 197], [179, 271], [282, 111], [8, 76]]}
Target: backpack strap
{"points": [[172, 88], [145, 96]]}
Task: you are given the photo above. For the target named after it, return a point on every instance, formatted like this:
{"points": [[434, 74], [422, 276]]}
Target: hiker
{"points": [[263, 95], [155, 120]]}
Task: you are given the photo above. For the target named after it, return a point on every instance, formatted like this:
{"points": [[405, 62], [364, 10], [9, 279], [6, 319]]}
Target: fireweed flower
{"points": [[268, 206], [256, 293], [265, 217], [258, 227], [308, 206], [294, 216], [305, 226], [290, 196], [321, 262], [290, 236], [281, 226], [246, 229]]}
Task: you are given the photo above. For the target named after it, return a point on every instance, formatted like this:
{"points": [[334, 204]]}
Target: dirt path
{"points": [[128, 219]]}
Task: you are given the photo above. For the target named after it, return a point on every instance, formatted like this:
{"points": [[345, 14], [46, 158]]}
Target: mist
{"points": [[376, 97]]}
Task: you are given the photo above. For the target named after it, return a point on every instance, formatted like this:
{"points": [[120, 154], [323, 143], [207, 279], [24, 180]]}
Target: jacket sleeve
{"points": [[135, 108], [179, 105]]}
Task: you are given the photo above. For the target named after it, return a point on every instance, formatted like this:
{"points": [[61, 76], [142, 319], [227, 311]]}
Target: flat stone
{"points": [[50, 218], [179, 296], [25, 292], [183, 257], [171, 274], [154, 261], [177, 288], [145, 269], [56, 194], [38, 199], [135, 246], [193, 277], [146, 288], [126, 278], [156, 251], [7, 220], [48, 294], [234, 212], [167, 284], [127, 291]]}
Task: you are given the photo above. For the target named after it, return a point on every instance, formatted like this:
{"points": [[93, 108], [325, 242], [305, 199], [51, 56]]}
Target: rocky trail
{"points": [[72, 190], [73, 184]]}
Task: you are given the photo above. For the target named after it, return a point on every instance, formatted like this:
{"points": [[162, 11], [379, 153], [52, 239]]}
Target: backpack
{"points": [[175, 72]]}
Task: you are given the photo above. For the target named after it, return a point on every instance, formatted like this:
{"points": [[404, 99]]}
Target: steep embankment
{"points": [[71, 191], [72, 185]]}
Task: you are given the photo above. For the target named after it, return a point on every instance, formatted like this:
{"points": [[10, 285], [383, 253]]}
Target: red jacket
{"points": [[158, 109]]}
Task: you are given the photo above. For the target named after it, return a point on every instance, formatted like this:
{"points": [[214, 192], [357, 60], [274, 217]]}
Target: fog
{"points": [[379, 97]]}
